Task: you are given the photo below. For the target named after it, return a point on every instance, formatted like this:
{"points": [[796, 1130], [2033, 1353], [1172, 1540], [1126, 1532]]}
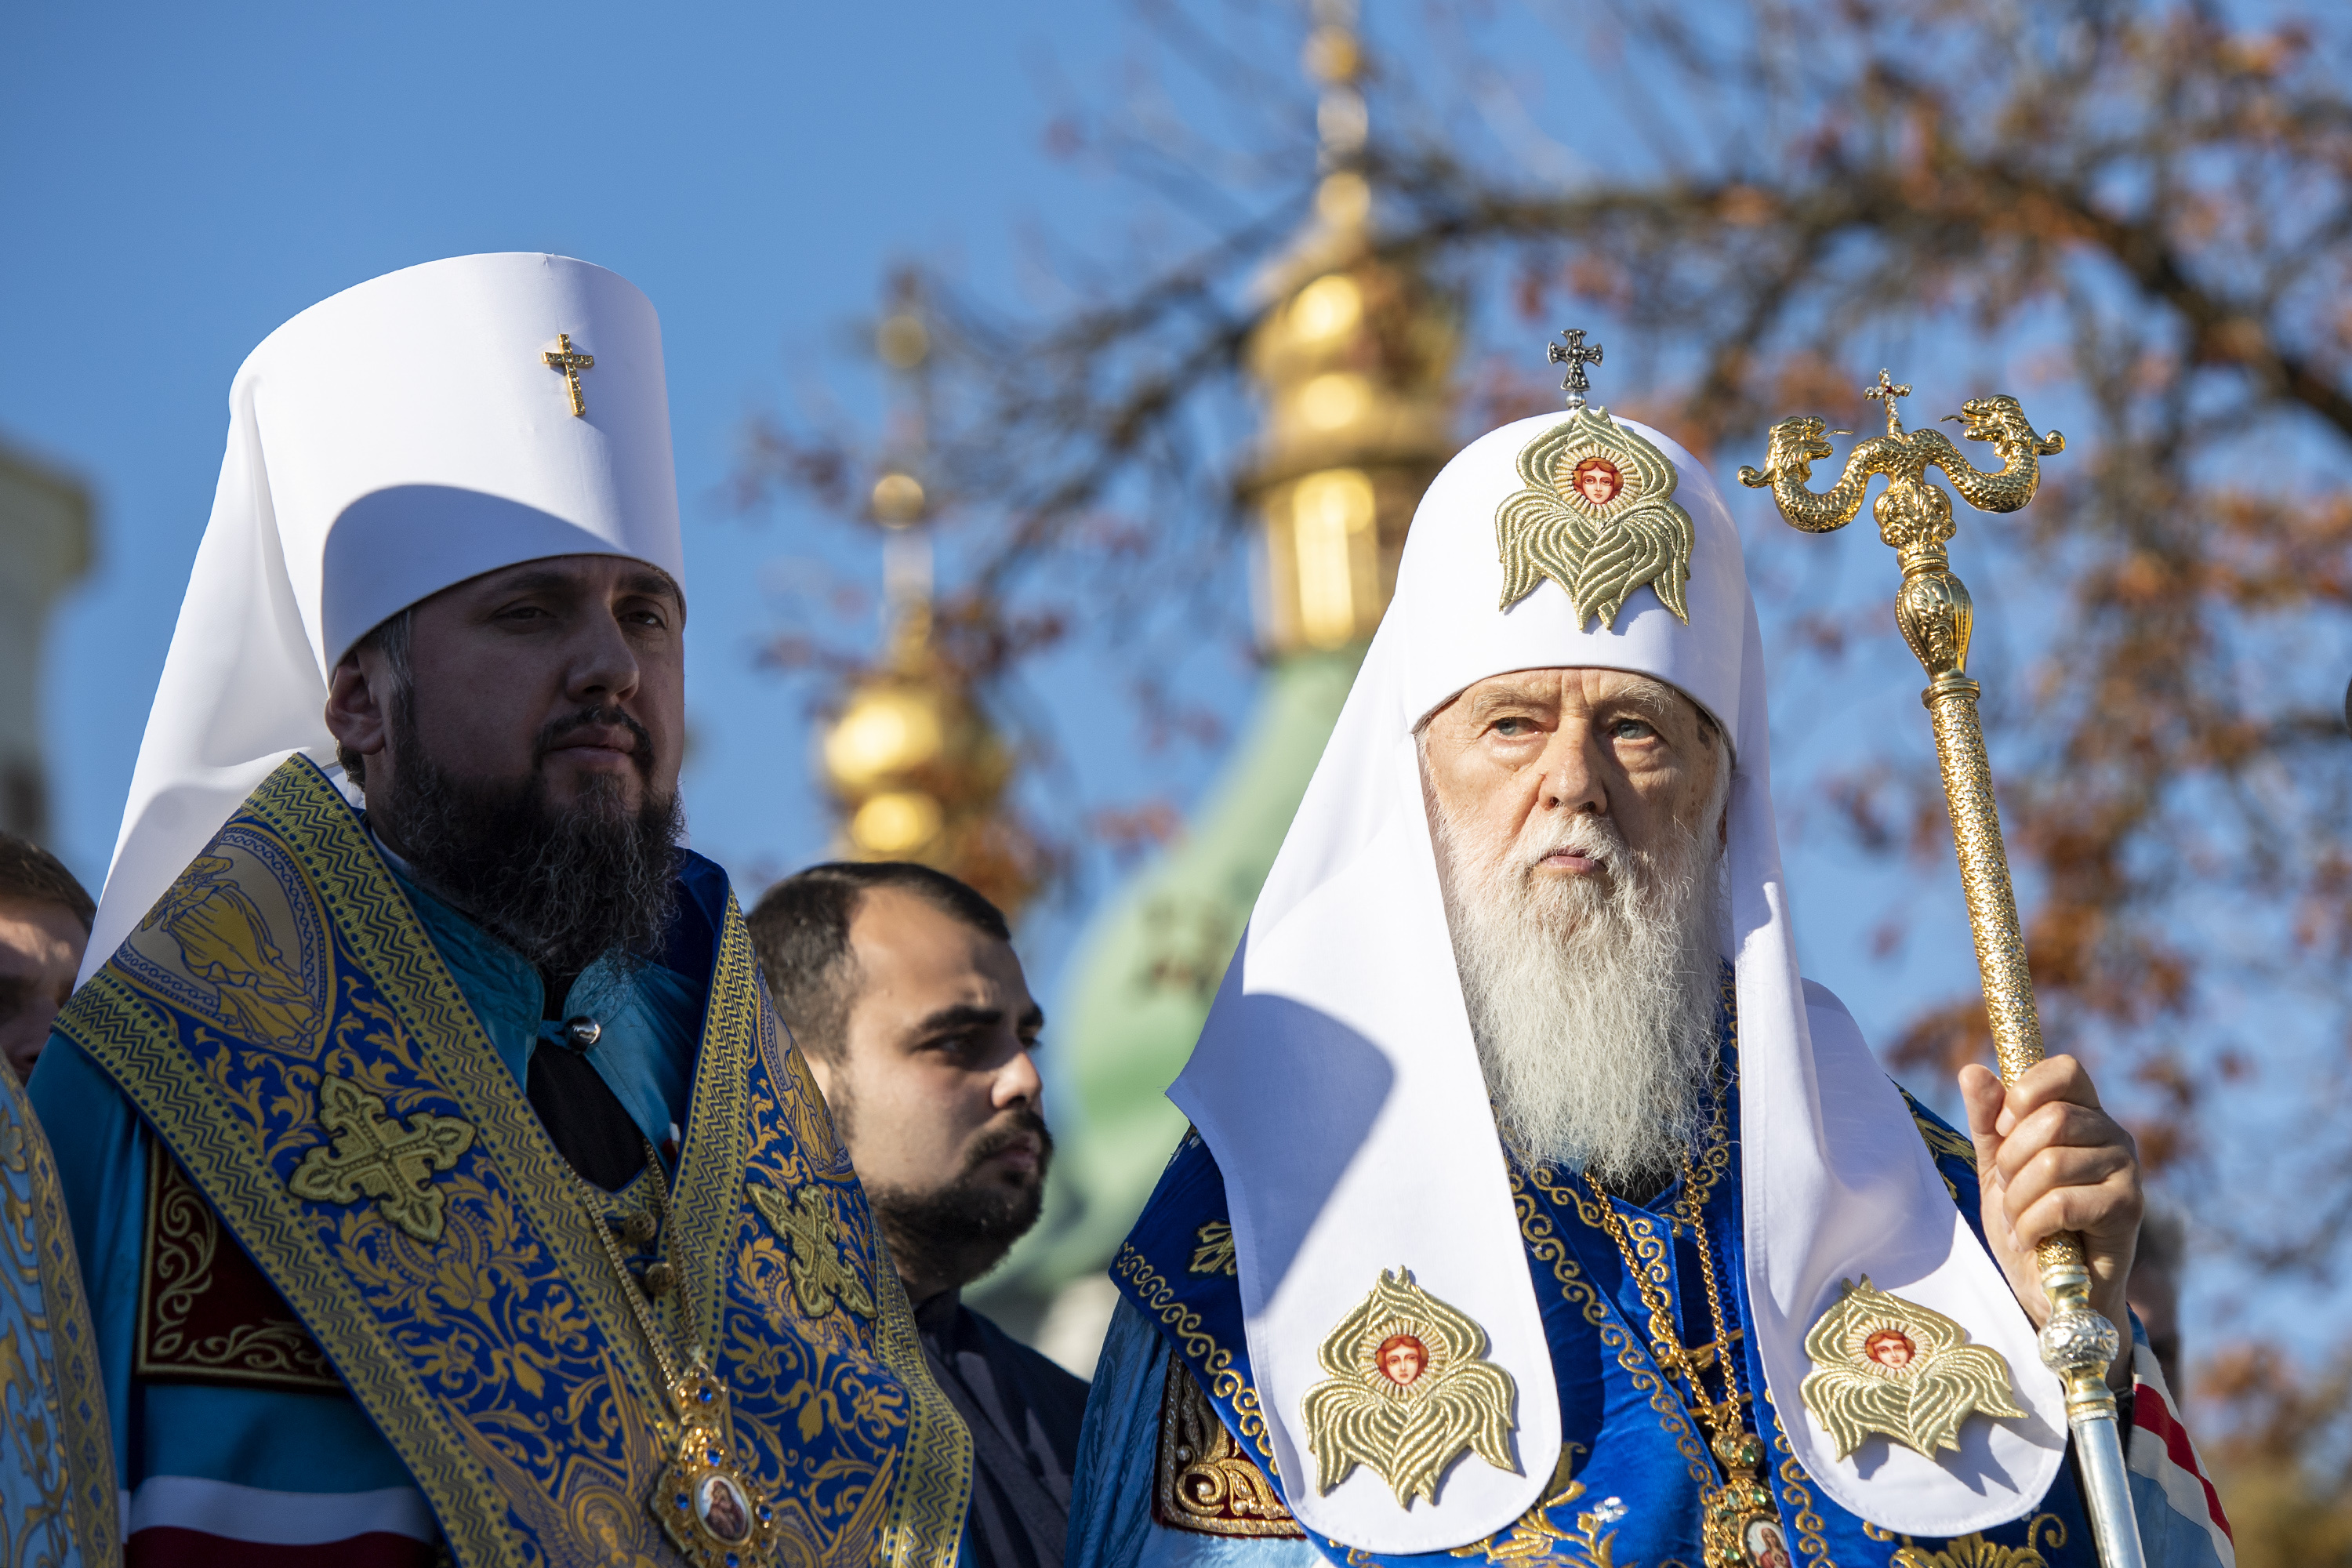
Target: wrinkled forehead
{"points": [[1575, 683]]}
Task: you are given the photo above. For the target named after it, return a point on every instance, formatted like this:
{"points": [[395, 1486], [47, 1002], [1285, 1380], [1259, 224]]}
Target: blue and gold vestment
{"points": [[56, 1466], [286, 1029], [1151, 1493]]}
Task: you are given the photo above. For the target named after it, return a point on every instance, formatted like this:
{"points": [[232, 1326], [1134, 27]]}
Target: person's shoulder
{"points": [[1040, 1374]]}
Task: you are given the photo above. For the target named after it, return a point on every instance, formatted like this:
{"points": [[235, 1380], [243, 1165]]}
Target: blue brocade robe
{"points": [[1162, 1485], [235, 1432]]}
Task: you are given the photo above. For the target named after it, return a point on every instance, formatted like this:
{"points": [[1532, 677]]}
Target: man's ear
{"points": [[354, 717]]}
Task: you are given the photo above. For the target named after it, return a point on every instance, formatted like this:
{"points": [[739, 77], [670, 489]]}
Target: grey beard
{"points": [[560, 886], [1594, 1001]]}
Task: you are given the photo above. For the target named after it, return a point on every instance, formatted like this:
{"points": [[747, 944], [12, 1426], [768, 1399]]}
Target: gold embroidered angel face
{"points": [[1598, 517], [1887, 1366], [1402, 1358], [1598, 480], [1410, 1390]]}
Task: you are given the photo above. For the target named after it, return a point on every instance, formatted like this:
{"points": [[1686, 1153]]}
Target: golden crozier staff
{"points": [[1934, 610]]}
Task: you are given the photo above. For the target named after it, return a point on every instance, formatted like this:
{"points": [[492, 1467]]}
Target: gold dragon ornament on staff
{"points": [[1935, 613]]}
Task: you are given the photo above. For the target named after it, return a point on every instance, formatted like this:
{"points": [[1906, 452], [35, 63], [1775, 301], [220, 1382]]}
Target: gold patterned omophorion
{"points": [[1598, 517], [1410, 1392], [821, 1279], [1888, 1365], [375, 1157], [1204, 1481]]}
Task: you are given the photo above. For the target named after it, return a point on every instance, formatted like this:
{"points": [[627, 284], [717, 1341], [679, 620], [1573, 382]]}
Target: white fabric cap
{"points": [[1337, 1083], [386, 444]]}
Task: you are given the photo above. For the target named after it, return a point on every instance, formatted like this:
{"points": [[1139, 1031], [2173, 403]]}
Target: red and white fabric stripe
{"points": [[2160, 1450], [186, 1522]]}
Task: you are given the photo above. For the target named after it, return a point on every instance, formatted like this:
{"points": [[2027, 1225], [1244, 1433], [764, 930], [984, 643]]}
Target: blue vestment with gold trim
{"points": [[56, 1466], [290, 1011], [1156, 1489]]}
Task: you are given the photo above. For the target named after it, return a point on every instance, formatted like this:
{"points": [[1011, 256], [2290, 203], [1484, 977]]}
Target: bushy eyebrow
{"points": [[650, 583]]}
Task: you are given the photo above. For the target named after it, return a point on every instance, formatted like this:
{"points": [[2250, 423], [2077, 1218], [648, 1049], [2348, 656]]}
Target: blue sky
{"points": [[179, 182]]}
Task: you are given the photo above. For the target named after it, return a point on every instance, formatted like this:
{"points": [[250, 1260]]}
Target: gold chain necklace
{"points": [[1738, 1527], [704, 1503]]}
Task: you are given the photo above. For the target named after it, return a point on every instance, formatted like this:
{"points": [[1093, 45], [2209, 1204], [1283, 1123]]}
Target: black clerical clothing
{"points": [[1025, 1413]]}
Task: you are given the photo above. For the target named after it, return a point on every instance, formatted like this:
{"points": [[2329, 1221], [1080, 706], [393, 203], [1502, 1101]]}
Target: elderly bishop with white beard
{"points": [[1536, 1210]]}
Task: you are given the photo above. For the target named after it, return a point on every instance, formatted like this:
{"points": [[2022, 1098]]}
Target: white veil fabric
{"points": [[1336, 1084], [387, 442]]}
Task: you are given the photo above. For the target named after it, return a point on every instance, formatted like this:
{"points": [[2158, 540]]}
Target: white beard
{"points": [[1593, 999]]}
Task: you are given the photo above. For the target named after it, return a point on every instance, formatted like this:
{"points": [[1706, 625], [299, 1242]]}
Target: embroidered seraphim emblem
{"points": [[821, 1278], [1883, 1365], [375, 1157], [1410, 1391], [1598, 517]]}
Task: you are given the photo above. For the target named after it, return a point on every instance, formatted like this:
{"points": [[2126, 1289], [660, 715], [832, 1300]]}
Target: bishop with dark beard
{"points": [[438, 1171]]}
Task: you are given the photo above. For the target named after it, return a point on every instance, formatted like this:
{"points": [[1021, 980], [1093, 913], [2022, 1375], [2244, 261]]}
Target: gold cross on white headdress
{"points": [[563, 357]]}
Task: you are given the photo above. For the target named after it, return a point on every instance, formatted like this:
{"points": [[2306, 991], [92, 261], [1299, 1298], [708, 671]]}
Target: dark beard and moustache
{"points": [[561, 887], [958, 1232], [1594, 1000]]}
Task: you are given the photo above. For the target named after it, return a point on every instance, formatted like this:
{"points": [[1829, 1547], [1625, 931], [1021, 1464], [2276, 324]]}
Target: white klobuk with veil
{"points": [[387, 442], [1338, 1085]]}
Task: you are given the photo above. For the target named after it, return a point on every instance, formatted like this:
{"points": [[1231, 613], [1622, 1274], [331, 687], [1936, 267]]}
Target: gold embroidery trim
{"points": [[56, 1377], [1941, 1141], [1154, 1294], [1882, 1364], [821, 1276], [1410, 1392], [1215, 1253], [1203, 1482], [176, 1339], [487, 1501], [1975, 1552], [1598, 517]]}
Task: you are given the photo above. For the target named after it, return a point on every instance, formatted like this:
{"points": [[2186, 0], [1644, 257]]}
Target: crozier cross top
{"points": [[570, 362], [1886, 391], [1576, 355]]}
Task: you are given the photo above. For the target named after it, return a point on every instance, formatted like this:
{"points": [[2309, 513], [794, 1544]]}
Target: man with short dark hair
{"points": [[44, 917], [904, 993]]}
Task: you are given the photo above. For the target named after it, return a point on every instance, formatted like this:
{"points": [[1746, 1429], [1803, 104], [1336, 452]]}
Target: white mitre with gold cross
{"points": [[391, 441], [1337, 1083]]}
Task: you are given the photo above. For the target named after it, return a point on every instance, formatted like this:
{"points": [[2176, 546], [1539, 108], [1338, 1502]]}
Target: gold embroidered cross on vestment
{"points": [[374, 1157], [570, 362], [821, 1279]]}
